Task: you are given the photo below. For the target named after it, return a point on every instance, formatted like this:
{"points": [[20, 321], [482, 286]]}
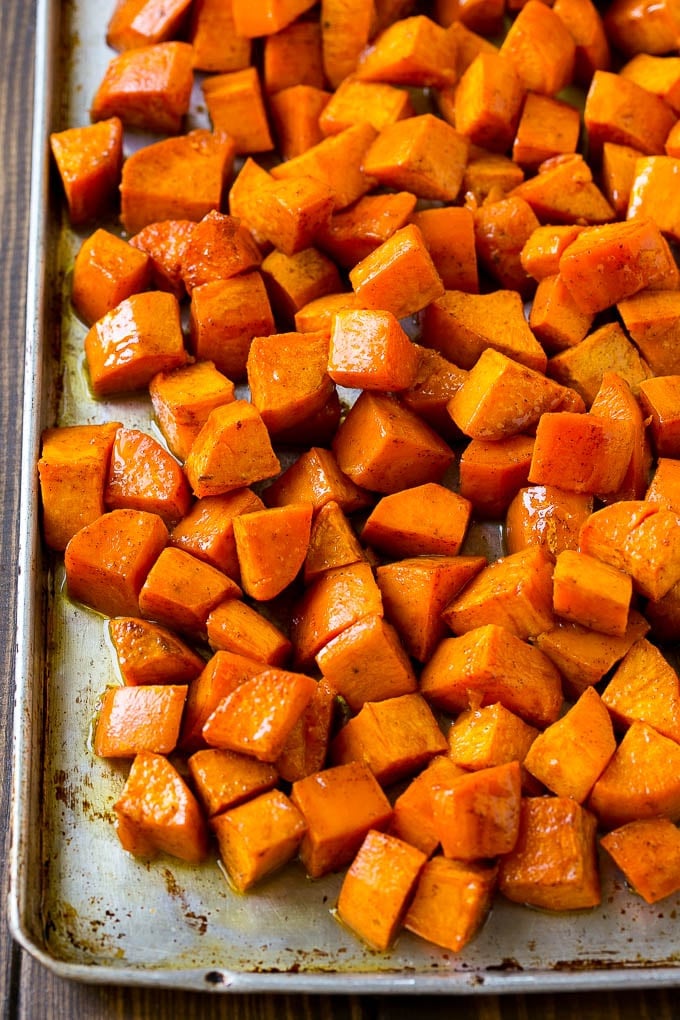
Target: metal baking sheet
{"points": [[78, 902]]}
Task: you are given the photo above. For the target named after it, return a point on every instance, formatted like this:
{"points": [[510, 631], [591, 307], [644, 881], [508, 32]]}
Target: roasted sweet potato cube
{"points": [[236, 627], [144, 476], [555, 318], [89, 161], [462, 326], [547, 127], [181, 591], [426, 519], [216, 44], [72, 471], [176, 178], [339, 806], [224, 779], [621, 111], [608, 263], [336, 600], [207, 531], [541, 48], [571, 754], [156, 811], [332, 543], [435, 383], [395, 737], [258, 837], [288, 377], [422, 154], [581, 453], [491, 664], [221, 674], [449, 233], [292, 56], [257, 717], [183, 399], [514, 591], [267, 16], [492, 472], [415, 592], [451, 902], [411, 51], [642, 779], [651, 318], [337, 161], [584, 21], [584, 365], [316, 478], [148, 653], [488, 102], [645, 686], [384, 447], [366, 662], [144, 22], [377, 888], [355, 101], [664, 487], [477, 816], [271, 546], [138, 338], [134, 719], [292, 281], [592, 593], [481, 738], [399, 276], [225, 315], [106, 271], [563, 191], [640, 538], [546, 515], [164, 243], [413, 812], [370, 350], [501, 398], [648, 854], [148, 87], [107, 561], [353, 233], [554, 862], [236, 107], [583, 656], [232, 450], [295, 113], [306, 748], [540, 255], [218, 248], [659, 399]]}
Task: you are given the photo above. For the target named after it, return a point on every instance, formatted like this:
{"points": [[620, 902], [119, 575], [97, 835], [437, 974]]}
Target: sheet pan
{"points": [[78, 902]]}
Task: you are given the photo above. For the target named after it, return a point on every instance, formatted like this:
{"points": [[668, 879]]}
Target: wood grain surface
{"points": [[27, 990]]}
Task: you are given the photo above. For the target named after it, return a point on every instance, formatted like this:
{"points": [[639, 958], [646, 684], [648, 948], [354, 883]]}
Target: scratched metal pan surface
{"points": [[78, 902]]}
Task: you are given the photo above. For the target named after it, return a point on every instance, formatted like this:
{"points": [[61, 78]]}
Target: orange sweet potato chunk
{"points": [[258, 837], [554, 862], [377, 887], [107, 561], [157, 812], [339, 805], [135, 719], [490, 664], [72, 471]]}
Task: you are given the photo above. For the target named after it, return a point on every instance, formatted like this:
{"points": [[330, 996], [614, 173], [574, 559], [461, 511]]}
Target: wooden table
{"points": [[27, 990]]}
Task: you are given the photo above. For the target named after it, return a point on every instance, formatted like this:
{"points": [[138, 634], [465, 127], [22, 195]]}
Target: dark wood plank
{"points": [[27, 990], [16, 57]]}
